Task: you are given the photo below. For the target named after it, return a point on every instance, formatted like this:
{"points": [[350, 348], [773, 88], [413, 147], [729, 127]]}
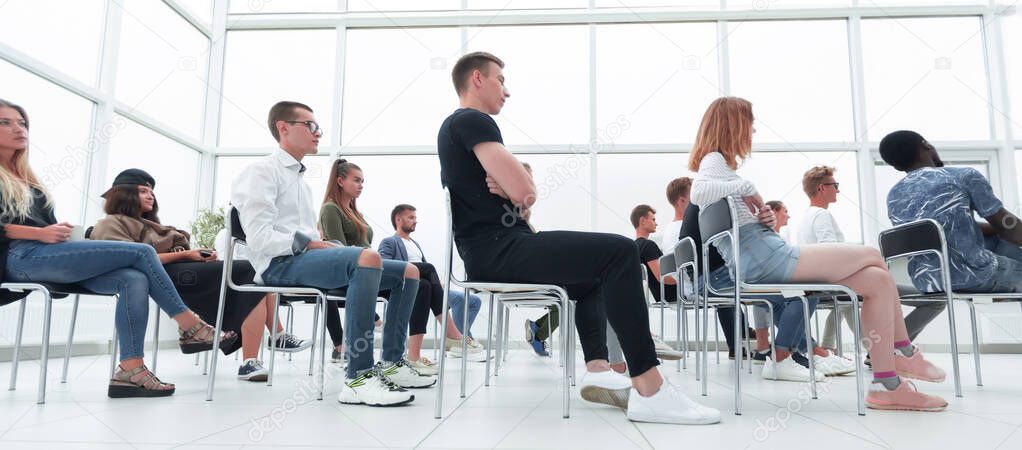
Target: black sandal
{"points": [[137, 382], [199, 338]]}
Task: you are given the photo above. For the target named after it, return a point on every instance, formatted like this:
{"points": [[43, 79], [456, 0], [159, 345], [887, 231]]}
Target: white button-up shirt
{"points": [[276, 209]]}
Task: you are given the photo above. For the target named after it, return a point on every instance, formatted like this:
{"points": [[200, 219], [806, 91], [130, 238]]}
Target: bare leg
{"points": [[252, 331], [862, 269], [268, 306], [415, 346], [452, 331]]}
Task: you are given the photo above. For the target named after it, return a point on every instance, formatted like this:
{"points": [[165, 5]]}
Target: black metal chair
{"points": [[926, 238], [505, 294], [716, 222]]}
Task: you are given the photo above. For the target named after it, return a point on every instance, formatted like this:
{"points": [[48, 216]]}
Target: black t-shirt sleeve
{"points": [[473, 128], [648, 251]]}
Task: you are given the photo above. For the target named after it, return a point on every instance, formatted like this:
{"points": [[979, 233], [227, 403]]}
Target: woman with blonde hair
{"points": [[725, 139], [34, 247]]}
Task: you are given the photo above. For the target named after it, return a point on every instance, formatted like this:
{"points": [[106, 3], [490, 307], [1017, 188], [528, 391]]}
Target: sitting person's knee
{"points": [[411, 271], [369, 258]]}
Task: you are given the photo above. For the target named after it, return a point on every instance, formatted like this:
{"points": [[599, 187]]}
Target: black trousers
{"points": [[429, 297], [598, 270]]}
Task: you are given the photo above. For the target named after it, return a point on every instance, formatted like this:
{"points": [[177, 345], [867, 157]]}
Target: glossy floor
{"points": [[520, 410]]}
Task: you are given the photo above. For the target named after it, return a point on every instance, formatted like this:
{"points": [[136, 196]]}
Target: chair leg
{"points": [[113, 353], [289, 329], [682, 340], [857, 332], [838, 331], [321, 306], [315, 331], [741, 355], [70, 340], [205, 363], [809, 345], [738, 329], [156, 337], [498, 339], [273, 339], [953, 329], [506, 331], [975, 343], [489, 335], [44, 357], [704, 344], [550, 334], [17, 344], [565, 316], [716, 336], [464, 351]]}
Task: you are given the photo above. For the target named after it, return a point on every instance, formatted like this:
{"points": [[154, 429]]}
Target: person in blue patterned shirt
{"points": [[984, 257]]}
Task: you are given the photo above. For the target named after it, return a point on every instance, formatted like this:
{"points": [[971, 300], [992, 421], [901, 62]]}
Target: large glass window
{"points": [[397, 85], [402, 5], [926, 75], [1011, 27], [654, 81], [628, 180], [264, 67], [693, 4], [161, 68], [227, 170], [778, 176], [800, 88], [31, 27], [563, 190], [201, 9], [289, 6], [175, 168], [524, 4], [549, 101], [60, 146]]}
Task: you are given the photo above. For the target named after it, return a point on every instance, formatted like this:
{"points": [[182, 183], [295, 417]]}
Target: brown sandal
{"points": [[199, 338], [137, 382]]}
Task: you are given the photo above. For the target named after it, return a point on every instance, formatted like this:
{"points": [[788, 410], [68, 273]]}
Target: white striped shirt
{"points": [[715, 181]]}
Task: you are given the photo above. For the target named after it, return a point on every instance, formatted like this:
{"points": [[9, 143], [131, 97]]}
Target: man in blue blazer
{"points": [[402, 247]]}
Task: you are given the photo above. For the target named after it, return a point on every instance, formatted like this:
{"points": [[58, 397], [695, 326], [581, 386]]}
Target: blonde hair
{"points": [[814, 177], [16, 184], [726, 128]]}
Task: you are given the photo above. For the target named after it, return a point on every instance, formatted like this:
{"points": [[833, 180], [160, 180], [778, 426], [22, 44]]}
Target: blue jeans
{"points": [[1007, 278], [457, 305], [787, 313], [129, 270], [338, 267]]}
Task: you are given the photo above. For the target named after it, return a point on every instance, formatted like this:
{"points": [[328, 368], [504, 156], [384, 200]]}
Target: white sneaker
{"points": [[833, 365], [476, 351], [669, 405], [664, 350], [424, 366], [405, 376], [608, 388], [374, 389], [787, 370]]}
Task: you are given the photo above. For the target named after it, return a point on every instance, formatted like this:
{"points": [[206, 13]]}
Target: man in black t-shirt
{"points": [[643, 218], [491, 194]]}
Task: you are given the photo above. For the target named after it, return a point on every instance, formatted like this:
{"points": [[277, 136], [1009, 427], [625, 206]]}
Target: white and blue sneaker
{"points": [[252, 370]]}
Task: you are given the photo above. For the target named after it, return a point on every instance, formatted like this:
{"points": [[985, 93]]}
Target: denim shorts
{"points": [[765, 256]]}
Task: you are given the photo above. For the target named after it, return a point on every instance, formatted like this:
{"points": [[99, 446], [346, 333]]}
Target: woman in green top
{"points": [[340, 220]]}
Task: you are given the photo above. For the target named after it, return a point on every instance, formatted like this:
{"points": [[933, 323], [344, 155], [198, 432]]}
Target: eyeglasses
{"points": [[833, 184], [313, 126]]}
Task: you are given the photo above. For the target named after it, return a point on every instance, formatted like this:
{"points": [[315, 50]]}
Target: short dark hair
{"points": [[284, 110], [775, 205], [901, 148], [639, 212], [469, 63], [398, 210], [678, 188], [123, 199]]}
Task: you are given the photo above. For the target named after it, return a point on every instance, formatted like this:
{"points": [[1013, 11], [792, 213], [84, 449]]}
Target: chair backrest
{"points": [[667, 265], [88, 232], [916, 237], [448, 241], [715, 219], [234, 224], [686, 256]]}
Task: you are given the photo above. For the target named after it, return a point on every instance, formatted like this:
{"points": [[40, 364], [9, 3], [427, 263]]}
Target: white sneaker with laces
{"points": [[406, 377], [788, 370], [374, 389], [424, 366], [608, 388], [664, 350], [833, 365], [669, 405]]}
